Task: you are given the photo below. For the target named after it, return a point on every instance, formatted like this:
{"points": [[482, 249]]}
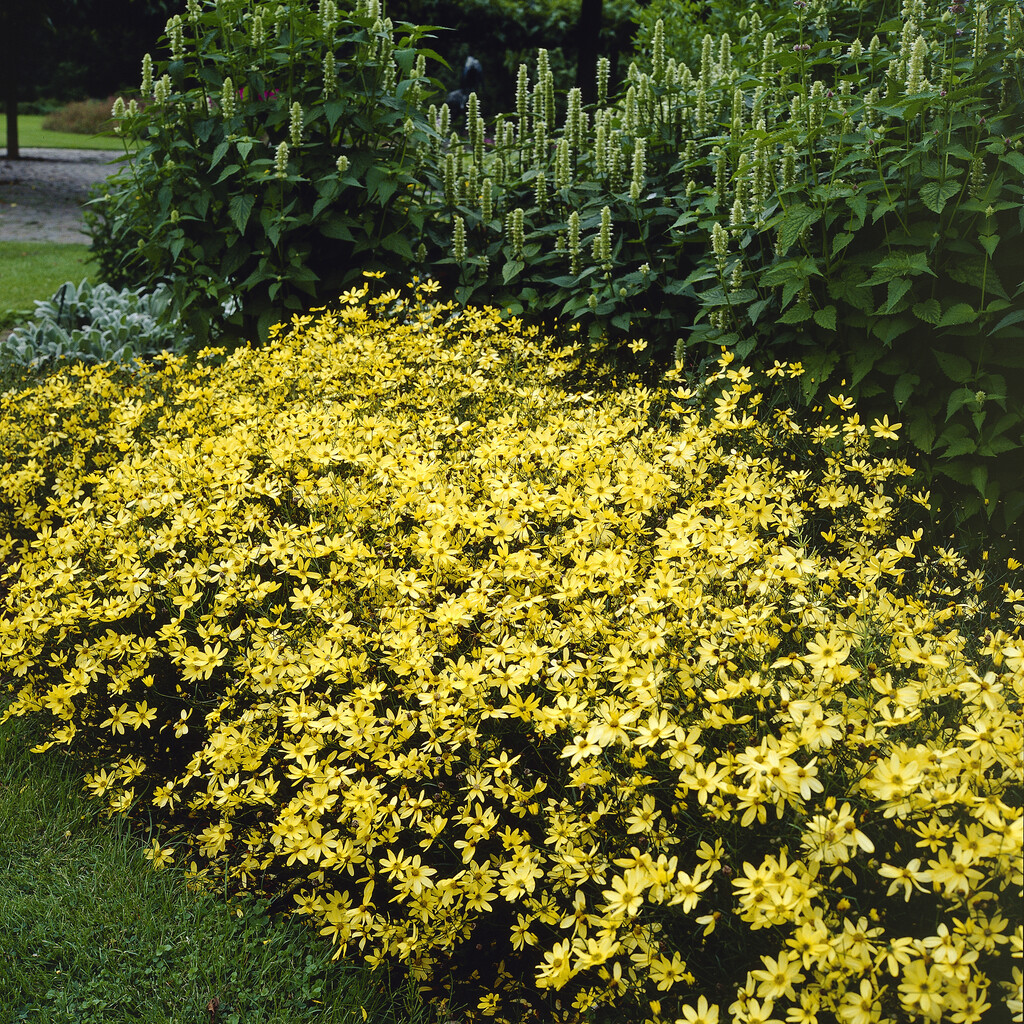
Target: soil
{"points": [[41, 195]]}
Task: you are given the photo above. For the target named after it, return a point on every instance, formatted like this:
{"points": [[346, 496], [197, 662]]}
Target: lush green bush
{"points": [[856, 204], [273, 164], [94, 324], [83, 117], [650, 701]]}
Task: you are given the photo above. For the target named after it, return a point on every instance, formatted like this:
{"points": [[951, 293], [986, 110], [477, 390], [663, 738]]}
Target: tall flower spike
{"points": [[295, 125], [449, 178], [522, 96], [281, 161], [574, 242], [147, 76], [658, 54], [602, 250], [562, 165], [516, 232], [604, 71], [915, 67], [330, 72], [175, 37], [256, 32], [720, 245], [636, 186], [487, 201], [459, 239], [228, 99], [540, 190]]}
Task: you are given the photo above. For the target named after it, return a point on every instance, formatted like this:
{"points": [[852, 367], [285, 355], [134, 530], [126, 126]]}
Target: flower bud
{"points": [[147, 76], [330, 73], [295, 127], [342, 164]]}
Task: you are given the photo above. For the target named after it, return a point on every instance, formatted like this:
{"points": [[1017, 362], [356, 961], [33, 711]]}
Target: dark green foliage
{"points": [[856, 204], [502, 34], [234, 195]]}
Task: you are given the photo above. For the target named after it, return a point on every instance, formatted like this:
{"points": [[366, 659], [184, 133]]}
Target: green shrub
{"points": [[273, 165], [83, 117], [94, 323], [641, 700], [855, 204]]}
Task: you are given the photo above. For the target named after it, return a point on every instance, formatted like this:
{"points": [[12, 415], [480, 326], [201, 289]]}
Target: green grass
{"points": [[90, 933], [31, 134], [35, 270]]}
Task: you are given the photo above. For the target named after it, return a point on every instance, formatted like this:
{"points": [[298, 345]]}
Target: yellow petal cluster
{"points": [[649, 694]]}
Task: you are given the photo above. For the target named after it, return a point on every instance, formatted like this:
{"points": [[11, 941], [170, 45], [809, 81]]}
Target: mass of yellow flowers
{"points": [[629, 703]]}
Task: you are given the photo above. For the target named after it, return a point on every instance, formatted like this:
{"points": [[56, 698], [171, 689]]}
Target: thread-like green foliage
{"points": [[650, 702]]}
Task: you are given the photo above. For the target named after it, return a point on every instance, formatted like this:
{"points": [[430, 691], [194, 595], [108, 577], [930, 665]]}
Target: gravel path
{"points": [[41, 194]]}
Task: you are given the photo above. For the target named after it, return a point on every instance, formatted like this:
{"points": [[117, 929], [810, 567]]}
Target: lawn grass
{"points": [[32, 134], [91, 934], [35, 270]]}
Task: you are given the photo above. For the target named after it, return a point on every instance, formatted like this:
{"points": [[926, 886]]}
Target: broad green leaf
{"points": [[930, 311], [841, 241], [904, 387], [989, 243], [935, 194], [1011, 318], [900, 264], [794, 221], [961, 313], [957, 400], [1014, 159], [826, 318], [511, 270], [898, 287], [240, 208], [955, 367], [797, 315]]}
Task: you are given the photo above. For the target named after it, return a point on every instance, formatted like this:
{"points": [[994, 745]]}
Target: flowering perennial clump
{"points": [[653, 695]]}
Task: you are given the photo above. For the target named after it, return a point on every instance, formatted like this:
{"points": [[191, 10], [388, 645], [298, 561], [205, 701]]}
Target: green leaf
{"points": [[240, 208], [1011, 318], [989, 243], [957, 400], [511, 270], [841, 241], [218, 153], [826, 318], [797, 315], [930, 311], [935, 194], [900, 264], [794, 221], [962, 446], [1014, 159], [898, 287], [955, 367], [961, 313], [904, 387]]}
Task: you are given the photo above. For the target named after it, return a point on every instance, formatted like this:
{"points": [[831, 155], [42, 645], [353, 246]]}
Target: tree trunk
{"points": [[587, 34], [10, 42]]}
